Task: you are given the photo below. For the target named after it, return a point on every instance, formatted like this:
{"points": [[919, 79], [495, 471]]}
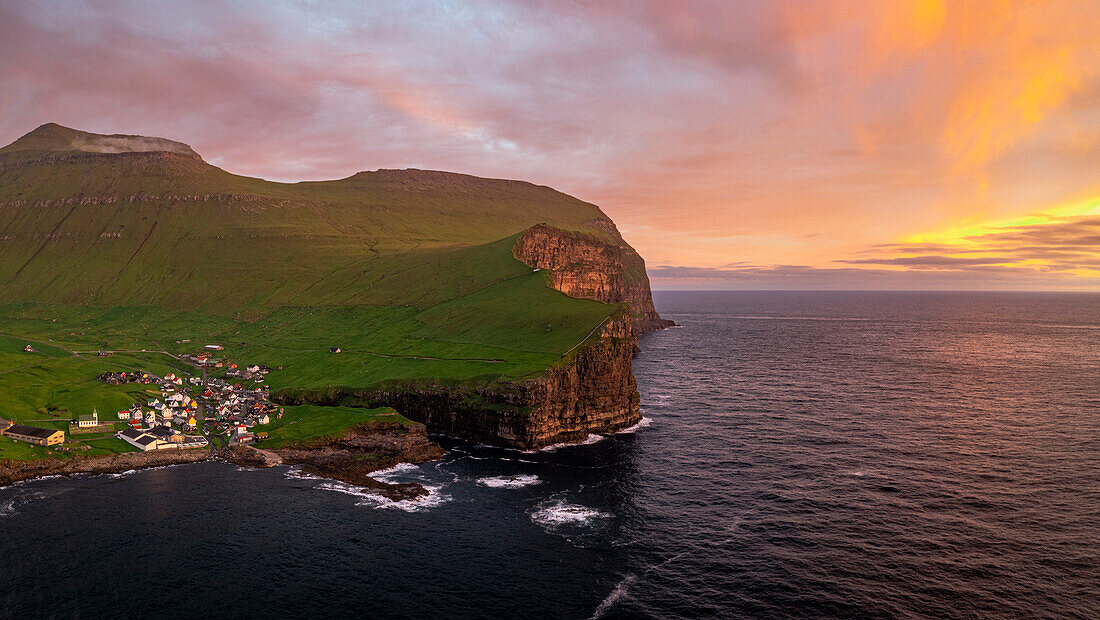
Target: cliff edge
{"points": [[586, 266]]}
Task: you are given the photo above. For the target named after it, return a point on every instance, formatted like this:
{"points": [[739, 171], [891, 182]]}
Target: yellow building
{"points": [[31, 434]]}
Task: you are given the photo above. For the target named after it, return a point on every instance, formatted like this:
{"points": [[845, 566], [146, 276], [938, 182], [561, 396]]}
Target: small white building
{"points": [[85, 421]]}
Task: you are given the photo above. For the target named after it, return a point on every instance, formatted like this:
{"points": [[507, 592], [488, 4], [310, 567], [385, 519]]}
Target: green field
{"points": [[18, 450], [304, 424]]}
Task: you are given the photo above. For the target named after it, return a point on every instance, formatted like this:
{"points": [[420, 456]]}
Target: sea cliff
{"points": [[592, 389]]}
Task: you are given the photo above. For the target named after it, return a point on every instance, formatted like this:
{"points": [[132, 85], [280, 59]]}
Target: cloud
{"points": [[784, 132], [789, 277], [1053, 243]]}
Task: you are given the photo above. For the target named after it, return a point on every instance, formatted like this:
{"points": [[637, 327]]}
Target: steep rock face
{"points": [[593, 391], [586, 266]]}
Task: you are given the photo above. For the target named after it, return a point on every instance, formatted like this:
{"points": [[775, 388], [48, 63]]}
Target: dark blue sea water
{"points": [[883, 455]]}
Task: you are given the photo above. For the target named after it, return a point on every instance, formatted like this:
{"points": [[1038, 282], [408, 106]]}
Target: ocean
{"points": [[803, 454]]}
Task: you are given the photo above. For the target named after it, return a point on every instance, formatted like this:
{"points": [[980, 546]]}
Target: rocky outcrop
{"points": [[363, 449], [602, 267]]}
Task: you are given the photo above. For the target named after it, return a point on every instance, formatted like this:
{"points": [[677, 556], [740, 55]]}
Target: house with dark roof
{"points": [[34, 435]]}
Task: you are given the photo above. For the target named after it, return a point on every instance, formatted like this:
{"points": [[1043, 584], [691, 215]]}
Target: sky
{"points": [[801, 144]]}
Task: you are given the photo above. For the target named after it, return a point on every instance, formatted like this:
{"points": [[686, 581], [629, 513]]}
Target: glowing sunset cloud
{"points": [[786, 144]]}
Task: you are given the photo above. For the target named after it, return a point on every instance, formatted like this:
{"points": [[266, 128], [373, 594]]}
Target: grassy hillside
{"points": [[125, 243], [307, 424]]}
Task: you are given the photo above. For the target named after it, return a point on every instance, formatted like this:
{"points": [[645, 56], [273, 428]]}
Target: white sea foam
{"points": [[7, 508], [591, 439], [130, 472], [39, 479], [396, 470], [433, 499], [368, 497], [556, 514], [296, 473], [644, 422], [509, 482]]}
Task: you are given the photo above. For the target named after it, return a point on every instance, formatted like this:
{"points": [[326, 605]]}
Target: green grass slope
{"points": [[128, 244]]}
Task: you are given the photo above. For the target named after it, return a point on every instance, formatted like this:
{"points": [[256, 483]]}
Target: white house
{"points": [[264, 419]]}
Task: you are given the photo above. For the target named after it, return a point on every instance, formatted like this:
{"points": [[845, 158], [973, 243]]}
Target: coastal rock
{"points": [[363, 449], [590, 267], [14, 471]]}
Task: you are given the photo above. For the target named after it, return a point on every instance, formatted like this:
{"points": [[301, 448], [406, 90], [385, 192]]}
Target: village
{"points": [[190, 413]]}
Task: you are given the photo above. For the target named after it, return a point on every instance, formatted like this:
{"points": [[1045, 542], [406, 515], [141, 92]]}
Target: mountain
{"points": [[497, 310]]}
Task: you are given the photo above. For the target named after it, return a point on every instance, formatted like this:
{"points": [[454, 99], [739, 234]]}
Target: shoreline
{"points": [[351, 458]]}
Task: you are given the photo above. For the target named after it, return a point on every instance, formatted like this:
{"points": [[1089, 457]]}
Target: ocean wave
{"points": [[396, 470], [7, 508], [559, 514], [368, 497], [295, 473], [591, 439], [130, 472], [644, 422], [509, 482], [20, 483], [432, 500]]}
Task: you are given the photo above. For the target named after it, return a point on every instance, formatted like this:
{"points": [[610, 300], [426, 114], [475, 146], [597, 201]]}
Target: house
{"points": [[33, 435], [214, 347], [140, 439], [334, 349], [124, 414], [264, 419], [29, 349], [85, 421], [192, 422]]}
